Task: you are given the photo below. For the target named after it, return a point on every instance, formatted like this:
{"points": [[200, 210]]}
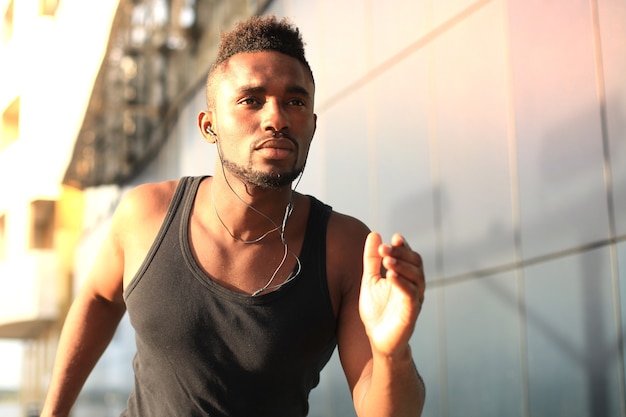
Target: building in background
{"points": [[490, 132], [47, 67]]}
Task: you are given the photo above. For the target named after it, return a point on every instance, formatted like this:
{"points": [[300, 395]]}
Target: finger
{"points": [[413, 286], [411, 289], [409, 270], [398, 240], [371, 258], [400, 250]]}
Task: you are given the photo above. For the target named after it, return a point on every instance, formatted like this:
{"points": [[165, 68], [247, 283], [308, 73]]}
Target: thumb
{"points": [[371, 257]]}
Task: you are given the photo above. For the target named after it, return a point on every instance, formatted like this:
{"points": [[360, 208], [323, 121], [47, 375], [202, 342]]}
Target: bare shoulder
{"points": [[148, 197], [137, 221], [346, 229], [145, 202]]}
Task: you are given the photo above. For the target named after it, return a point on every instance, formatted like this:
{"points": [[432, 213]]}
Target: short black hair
{"points": [[258, 34], [262, 34]]}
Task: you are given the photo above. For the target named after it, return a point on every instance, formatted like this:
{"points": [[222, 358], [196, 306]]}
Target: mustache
{"points": [[277, 134]]}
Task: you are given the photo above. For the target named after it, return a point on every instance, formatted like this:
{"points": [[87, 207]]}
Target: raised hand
{"points": [[389, 305]]}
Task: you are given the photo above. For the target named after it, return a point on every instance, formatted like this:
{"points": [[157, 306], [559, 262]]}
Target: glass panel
{"points": [[428, 351], [484, 373], [621, 269], [345, 141], [612, 15], [573, 363], [469, 116], [559, 137], [402, 193], [411, 22]]}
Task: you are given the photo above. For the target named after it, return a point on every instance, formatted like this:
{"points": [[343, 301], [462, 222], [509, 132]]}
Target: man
{"points": [[238, 287]]}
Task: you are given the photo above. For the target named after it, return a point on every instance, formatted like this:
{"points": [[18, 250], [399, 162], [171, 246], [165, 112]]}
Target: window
{"points": [[42, 224], [10, 129], [3, 238], [48, 7], [7, 26]]}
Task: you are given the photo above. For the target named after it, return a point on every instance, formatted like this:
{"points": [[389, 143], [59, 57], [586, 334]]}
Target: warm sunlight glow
{"points": [[50, 52]]}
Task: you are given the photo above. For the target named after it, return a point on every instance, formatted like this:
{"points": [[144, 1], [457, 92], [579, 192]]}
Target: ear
{"points": [[205, 122]]}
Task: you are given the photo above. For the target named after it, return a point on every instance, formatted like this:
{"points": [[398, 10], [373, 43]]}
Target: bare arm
{"points": [[389, 307], [89, 325], [99, 306], [376, 321], [88, 329]]}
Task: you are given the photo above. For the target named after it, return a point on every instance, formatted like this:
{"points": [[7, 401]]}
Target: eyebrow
{"points": [[292, 89]]}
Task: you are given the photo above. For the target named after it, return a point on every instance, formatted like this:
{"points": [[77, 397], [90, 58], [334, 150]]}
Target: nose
{"points": [[275, 116]]}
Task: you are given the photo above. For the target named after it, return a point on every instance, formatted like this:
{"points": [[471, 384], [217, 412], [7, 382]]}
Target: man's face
{"points": [[263, 117]]}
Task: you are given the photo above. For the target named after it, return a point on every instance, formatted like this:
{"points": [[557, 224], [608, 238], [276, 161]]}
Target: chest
{"points": [[184, 295], [246, 268], [221, 345]]}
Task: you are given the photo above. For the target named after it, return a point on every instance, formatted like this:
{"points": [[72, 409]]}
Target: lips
{"points": [[273, 148], [277, 144]]}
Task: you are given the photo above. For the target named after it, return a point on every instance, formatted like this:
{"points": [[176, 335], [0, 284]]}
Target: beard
{"points": [[270, 180]]}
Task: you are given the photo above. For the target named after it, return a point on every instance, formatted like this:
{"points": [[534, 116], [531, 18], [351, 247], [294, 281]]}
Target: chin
{"points": [[268, 180], [276, 181]]}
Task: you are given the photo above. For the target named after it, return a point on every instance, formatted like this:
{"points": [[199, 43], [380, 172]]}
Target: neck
{"points": [[249, 213]]}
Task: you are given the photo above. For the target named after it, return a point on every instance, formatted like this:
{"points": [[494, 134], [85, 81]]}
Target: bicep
{"points": [[105, 279], [346, 242], [106, 276]]}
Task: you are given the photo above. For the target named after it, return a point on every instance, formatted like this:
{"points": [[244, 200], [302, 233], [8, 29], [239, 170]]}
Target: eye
{"points": [[250, 101], [297, 102]]}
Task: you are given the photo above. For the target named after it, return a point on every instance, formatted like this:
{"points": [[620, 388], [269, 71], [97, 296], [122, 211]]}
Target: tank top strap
{"points": [[185, 193]]}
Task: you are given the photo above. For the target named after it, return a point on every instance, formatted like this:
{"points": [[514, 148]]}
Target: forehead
{"points": [[266, 69]]}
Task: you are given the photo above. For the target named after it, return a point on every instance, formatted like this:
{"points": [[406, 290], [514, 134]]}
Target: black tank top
{"points": [[204, 350]]}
